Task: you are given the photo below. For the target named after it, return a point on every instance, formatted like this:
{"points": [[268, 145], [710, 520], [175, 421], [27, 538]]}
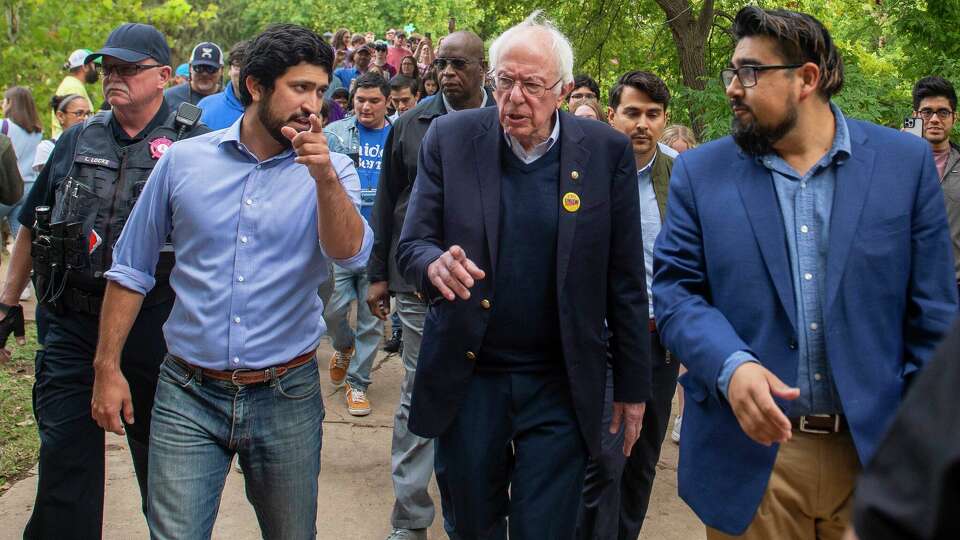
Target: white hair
{"points": [[536, 24]]}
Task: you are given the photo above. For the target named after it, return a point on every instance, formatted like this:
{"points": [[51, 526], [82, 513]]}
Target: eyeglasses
{"points": [[927, 114], [582, 95], [78, 114], [124, 70], [203, 68], [530, 88], [748, 74], [458, 64]]}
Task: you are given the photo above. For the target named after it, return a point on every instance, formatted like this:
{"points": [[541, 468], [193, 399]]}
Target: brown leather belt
{"points": [[820, 424], [653, 325], [242, 377]]}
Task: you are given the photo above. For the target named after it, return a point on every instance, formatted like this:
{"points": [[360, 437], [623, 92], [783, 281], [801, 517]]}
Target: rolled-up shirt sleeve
{"points": [[138, 249], [350, 181]]}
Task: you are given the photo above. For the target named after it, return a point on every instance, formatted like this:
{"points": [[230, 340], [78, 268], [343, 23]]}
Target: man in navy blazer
{"points": [[803, 274], [524, 235]]}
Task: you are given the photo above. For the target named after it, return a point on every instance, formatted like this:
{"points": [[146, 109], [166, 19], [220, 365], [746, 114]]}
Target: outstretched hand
{"points": [[453, 274]]}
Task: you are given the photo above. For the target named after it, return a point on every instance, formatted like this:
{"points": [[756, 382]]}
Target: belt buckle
{"points": [[233, 376], [805, 429]]}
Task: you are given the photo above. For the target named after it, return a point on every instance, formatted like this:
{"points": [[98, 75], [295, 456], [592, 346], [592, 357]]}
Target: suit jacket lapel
{"points": [[573, 159], [487, 143], [852, 186], [763, 210]]}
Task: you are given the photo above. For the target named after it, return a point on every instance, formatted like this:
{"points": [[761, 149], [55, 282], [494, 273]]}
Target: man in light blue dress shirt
{"points": [[254, 213]]}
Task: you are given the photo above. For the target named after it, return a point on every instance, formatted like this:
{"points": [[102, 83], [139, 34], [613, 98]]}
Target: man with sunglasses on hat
{"points": [[206, 72], [460, 68], [71, 220]]}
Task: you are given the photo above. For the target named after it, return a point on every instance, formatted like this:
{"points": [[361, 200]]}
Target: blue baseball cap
{"points": [[183, 70], [133, 42]]}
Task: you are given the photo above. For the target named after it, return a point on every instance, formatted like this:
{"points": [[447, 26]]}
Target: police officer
{"points": [[71, 220]]}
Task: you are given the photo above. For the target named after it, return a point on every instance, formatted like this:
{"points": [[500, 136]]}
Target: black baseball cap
{"points": [[207, 54], [133, 42]]}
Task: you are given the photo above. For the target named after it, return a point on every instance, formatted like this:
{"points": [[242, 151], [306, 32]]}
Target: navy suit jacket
{"points": [[723, 283], [600, 272]]}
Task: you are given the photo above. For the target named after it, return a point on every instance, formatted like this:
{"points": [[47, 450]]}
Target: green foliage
{"points": [[19, 442], [886, 44]]}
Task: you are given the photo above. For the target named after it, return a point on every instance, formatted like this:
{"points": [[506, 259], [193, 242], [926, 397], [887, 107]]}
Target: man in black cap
{"points": [[206, 72], [361, 63], [71, 220]]}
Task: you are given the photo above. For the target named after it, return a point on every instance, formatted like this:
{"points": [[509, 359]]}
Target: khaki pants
{"points": [[810, 494]]}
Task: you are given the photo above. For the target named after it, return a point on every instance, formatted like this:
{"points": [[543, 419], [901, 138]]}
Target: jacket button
{"points": [[792, 344], [485, 304], [471, 356], [574, 175]]}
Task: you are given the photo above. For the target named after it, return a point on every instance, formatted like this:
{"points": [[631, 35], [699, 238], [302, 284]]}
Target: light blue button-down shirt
{"points": [[249, 260], [650, 219], [806, 203]]}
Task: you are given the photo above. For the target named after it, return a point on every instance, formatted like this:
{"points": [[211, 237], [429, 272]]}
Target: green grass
{"points": [[19, 442]]}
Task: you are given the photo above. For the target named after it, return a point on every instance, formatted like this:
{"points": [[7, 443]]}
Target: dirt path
{"points": [[356, 494]]}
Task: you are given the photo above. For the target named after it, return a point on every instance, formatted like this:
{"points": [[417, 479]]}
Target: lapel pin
{"points": [[571, 201], [574, 175]]}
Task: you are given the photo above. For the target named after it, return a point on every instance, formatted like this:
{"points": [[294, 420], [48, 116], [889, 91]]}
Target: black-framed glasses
{"points": [[458, 64], [530, 88], [124, 70], [748, 74], [927, 114], [203, 68]]}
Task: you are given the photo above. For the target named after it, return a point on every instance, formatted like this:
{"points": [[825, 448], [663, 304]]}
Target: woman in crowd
{"points": [[429, 84], [341, 40], [425, 56], [590, 109], [680, 138], [69, 109], [22, 124]]}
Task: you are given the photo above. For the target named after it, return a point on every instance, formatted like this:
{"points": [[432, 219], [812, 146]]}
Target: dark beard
{"points": [[757, 140], [272, 122], [91, 76]]}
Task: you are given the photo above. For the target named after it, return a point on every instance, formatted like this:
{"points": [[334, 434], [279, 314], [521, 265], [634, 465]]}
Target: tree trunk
{"points": [[690, 32]]}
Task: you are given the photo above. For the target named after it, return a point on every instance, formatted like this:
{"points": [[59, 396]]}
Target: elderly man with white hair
{"points": [[523, 234]]}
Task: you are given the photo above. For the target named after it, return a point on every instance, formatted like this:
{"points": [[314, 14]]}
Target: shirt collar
{"points": [[538, 150], [450, 108], [649, 166], [839, 151], [231, 136]]}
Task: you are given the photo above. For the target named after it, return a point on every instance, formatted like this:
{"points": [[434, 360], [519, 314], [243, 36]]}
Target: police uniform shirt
{"points": [[61, 160]]}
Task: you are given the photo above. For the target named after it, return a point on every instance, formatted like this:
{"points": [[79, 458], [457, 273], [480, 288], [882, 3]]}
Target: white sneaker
{"points": [[675, 434], [408, 534], [26, 294]]}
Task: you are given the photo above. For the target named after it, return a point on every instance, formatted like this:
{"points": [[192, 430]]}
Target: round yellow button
{"points": [[571, 202]]}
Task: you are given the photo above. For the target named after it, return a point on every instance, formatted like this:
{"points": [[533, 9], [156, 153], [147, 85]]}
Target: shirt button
{"points": [[485, 304], [243, 239], [817, 376], [236, 320], [240, 279], [808, 276], [236, 359], [814, 326], [803, 185], [804, 229], [249, 202], [471, 355]]}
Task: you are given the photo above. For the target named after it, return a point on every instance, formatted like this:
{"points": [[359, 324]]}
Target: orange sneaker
{"points": [[339, 363], [357, 402]]}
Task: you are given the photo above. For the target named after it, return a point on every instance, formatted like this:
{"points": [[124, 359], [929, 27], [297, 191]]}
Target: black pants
{"points": [[514, 450], [70, 485], [616, 489]]}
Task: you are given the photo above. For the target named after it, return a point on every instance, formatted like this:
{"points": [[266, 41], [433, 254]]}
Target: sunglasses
{"points": [[458, 64], [201, 68]]}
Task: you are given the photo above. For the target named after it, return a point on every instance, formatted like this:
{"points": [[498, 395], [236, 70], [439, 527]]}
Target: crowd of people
{"points": [[556, 263]]}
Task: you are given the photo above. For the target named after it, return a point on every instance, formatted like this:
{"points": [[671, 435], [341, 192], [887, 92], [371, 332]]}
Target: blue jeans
{"points": [[200, 423], [349, 287]]}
